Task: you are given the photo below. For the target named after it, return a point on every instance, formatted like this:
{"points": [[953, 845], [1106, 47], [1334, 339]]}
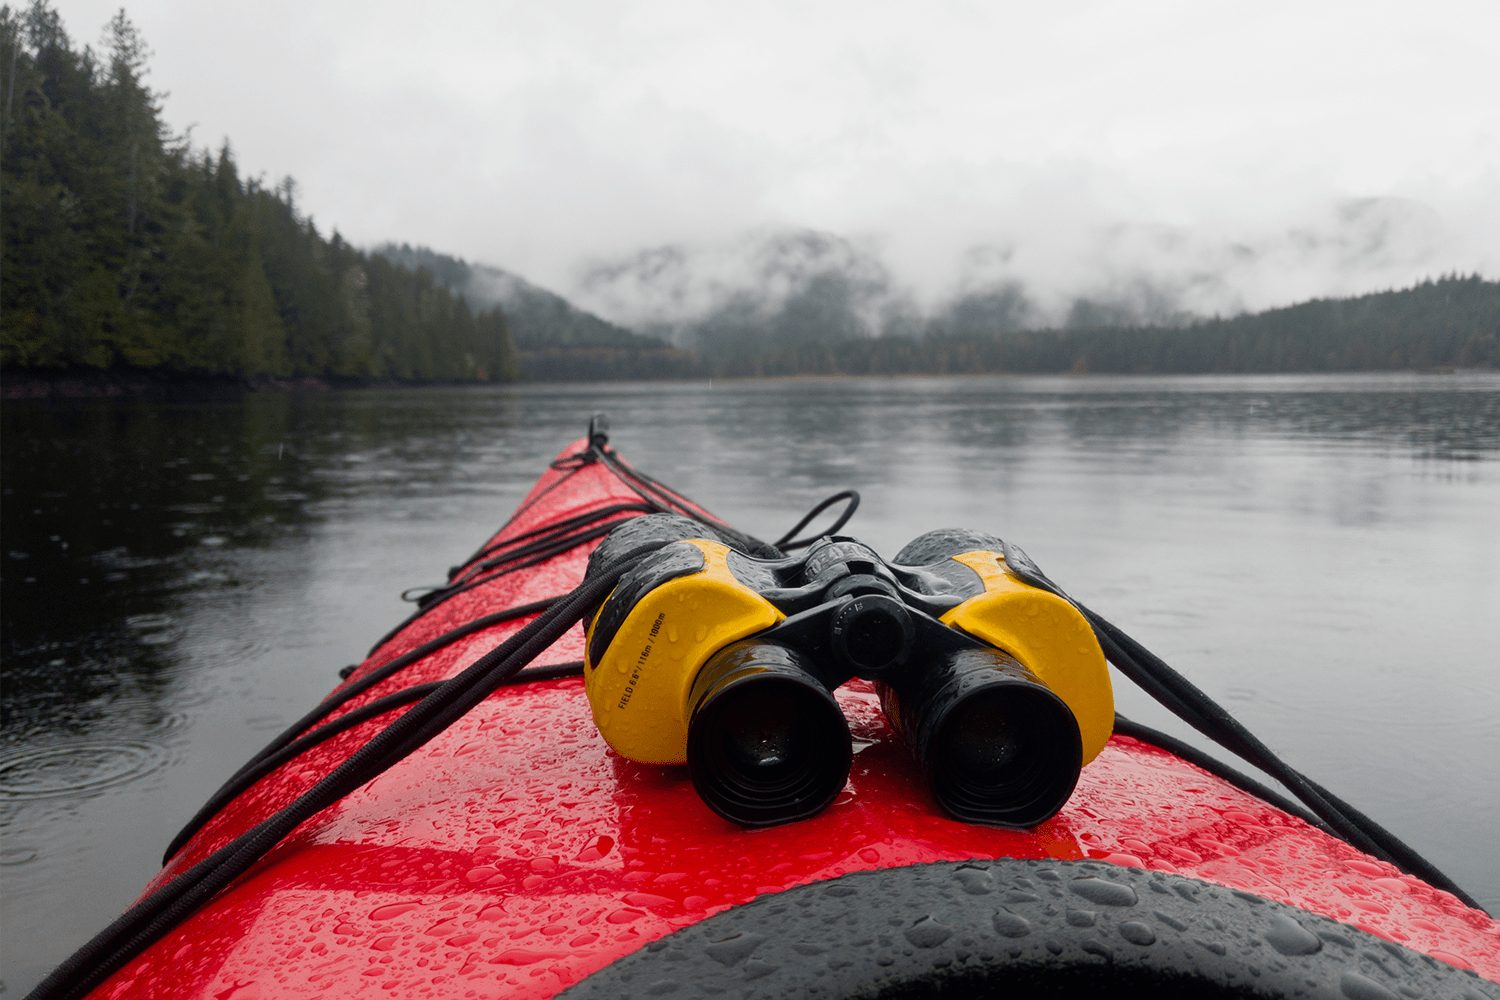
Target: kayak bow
{"points": [[510, 852]]}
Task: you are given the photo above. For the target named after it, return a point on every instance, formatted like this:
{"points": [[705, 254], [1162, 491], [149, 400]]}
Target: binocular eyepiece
{"points": [[705, 655]]}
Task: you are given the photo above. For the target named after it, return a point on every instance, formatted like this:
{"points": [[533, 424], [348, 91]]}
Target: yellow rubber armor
{"points": [[1048, 635], [639, 689]]}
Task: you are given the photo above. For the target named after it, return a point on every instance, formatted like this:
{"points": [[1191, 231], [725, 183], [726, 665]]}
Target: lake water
{"points": [[1320, 553]]}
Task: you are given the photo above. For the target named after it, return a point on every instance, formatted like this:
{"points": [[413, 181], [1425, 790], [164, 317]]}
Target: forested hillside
{"points": [[558, 341], [124, 247], [1453, 322]]}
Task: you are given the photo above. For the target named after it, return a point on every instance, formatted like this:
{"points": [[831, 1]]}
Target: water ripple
{"points": [[76, 768]]}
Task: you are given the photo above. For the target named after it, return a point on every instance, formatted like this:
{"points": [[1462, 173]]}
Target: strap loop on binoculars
{"points": [[786, 544]]}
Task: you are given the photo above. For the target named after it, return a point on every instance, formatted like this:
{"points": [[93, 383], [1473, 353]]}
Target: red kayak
{"points": [[514, 854]]}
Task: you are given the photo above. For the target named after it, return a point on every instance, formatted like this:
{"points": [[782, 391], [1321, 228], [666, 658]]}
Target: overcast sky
{"points": [[1069, 142]]}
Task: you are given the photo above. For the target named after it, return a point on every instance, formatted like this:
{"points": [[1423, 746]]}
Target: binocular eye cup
{"points": [[767, 742], [999, 747]]}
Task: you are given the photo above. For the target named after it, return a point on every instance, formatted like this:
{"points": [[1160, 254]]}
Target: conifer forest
{"points": [[125, 246]]}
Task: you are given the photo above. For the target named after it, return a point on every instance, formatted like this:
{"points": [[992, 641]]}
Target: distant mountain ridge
{"points": [[557, 341], [783, 288], [539, 319], [812, 304], [1450, 323]]}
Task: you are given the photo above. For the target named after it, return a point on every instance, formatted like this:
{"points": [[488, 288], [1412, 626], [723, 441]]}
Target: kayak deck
{"points": [[516, 854]]}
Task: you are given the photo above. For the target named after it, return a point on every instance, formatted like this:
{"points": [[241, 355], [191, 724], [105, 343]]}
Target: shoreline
{"points": [[77, 384], [132, 383]]}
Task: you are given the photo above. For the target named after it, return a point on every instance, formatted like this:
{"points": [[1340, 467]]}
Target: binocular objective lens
{"points": [[767, 743], [983, 740], [1000, 748], [1006, 756]]}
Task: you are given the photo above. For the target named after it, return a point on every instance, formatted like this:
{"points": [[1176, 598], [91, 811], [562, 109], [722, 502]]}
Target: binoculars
{"points": [[705, 655]]}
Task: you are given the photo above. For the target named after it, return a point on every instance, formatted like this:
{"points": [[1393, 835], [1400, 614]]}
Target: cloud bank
{"points": [[1168, 153], [774, 288]]}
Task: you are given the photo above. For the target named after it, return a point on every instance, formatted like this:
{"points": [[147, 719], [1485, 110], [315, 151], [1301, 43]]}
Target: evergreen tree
{"points": [[125, 247]]}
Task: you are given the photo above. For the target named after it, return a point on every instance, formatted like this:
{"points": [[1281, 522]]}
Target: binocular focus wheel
{"points": [[873, 633]]}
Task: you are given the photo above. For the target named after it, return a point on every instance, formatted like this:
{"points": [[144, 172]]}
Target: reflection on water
{"points": [[181, 580], [104, 507]]}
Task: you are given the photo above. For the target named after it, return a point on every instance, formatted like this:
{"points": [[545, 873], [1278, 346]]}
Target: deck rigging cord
{"points": [[172, 902], [437, 705], [551, 540], [482, 567], [1192, 705]]}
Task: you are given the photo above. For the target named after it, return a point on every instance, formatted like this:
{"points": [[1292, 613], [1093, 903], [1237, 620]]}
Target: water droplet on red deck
{"points": [[625, 916], [646, 899], [522, 956], [597, 849], [1124, 860], [393, 910], [242, 991]]}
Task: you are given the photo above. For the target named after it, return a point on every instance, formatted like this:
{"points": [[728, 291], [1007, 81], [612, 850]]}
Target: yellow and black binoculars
{"points": [[727, 662]]}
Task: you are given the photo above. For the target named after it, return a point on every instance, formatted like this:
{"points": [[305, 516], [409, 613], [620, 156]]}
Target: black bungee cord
{"points": [[168, 905], [1188, 702], [300, 736], [553, 540], [437, 706]]}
